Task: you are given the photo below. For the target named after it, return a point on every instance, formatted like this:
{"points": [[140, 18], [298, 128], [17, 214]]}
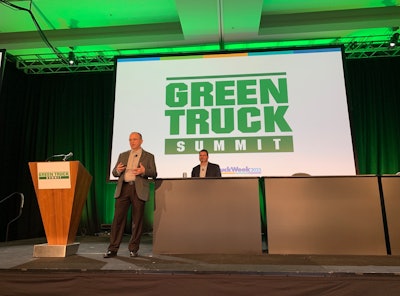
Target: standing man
{"points": [[206, 169], [133, 169]]}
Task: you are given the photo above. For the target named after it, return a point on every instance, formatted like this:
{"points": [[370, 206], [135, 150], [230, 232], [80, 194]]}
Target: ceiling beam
{"points": [[241, 19], [199, 19], [323, 23], [94, 36]]}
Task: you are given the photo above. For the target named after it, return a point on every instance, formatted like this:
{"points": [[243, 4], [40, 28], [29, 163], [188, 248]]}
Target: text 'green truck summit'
{"points": [[228, 114]]}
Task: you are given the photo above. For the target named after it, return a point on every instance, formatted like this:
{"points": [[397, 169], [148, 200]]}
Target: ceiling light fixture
{"points": [[394, 40], [71, 58]]}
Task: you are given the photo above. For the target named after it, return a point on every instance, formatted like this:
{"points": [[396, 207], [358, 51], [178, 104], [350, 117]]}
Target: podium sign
{"points": [[54, 175], [61, 190]]}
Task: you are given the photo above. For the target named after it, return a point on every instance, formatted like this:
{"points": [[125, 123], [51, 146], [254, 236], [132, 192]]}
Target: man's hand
{"points": [[140, 170], [120, 168]]}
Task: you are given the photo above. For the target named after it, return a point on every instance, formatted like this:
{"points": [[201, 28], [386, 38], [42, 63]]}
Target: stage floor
{"points": [[18, 255], [87, 272]]}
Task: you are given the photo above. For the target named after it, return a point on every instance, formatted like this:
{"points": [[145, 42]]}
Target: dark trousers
{"points": [[127, 198]]}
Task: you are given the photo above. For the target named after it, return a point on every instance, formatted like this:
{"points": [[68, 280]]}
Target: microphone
{"points": [[68, 156]]}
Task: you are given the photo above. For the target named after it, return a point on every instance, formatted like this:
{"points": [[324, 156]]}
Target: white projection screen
{"points": [[259, 113]]}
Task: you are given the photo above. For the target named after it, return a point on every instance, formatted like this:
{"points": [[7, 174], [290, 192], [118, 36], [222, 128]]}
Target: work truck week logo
{"points": [[252, 106]]}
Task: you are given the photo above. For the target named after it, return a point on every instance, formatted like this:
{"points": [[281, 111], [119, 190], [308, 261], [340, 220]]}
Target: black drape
{"points": [[42, 115], [374, 104]]}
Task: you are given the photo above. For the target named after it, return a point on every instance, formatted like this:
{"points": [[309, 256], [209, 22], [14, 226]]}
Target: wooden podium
{"points": [[61, 189]]}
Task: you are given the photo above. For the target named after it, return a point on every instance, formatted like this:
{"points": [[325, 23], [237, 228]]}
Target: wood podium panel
{"points": [[61, 209], [324, 215], [391, 194], [207, 216]]}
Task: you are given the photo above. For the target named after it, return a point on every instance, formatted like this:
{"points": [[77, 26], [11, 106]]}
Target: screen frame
{"points": [[2, 66], [225, 52]]}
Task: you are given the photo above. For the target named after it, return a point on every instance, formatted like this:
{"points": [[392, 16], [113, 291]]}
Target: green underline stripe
{"points": [[226, 76]]}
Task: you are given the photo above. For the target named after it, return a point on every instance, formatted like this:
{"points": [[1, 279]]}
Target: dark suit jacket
{"points": [[141, 182], [213, 170]]}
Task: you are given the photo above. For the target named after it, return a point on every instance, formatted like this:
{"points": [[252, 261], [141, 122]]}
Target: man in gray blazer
{"points": [[134, 170], [206, 169]]}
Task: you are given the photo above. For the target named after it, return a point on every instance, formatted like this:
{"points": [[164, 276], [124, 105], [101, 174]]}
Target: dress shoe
{"points": [[110, 254], [133, 254]]}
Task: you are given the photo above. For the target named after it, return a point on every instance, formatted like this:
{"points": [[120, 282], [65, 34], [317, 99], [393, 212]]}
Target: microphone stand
{"points": [[54, 156], [64, 156]]}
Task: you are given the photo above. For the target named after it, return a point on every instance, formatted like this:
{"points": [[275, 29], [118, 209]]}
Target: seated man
{"points": [[206, 169]]}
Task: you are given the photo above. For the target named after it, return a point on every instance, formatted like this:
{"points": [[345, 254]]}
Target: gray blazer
{"points": [[141, 182]]}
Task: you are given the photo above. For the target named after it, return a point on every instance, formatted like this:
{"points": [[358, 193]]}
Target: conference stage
{"points": [[275, 259]]}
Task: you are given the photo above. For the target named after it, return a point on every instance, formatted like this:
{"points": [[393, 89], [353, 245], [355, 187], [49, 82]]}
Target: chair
{"points": [[301, 175]]}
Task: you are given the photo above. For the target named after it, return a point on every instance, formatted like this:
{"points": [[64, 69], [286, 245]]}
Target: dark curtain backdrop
{"points": [[42, 115], [45, 115], [374, 103]]}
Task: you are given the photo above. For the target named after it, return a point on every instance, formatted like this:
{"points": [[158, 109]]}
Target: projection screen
{"points": [[261, 113]]}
